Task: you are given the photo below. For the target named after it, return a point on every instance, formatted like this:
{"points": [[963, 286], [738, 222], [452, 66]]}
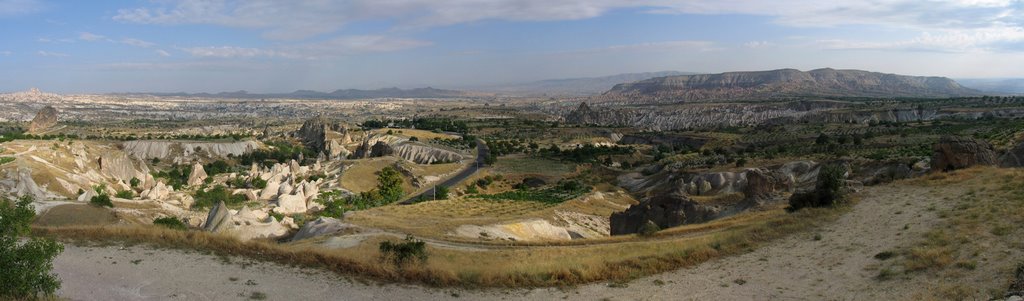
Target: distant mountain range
{"points": [[785, 83], [582, 86], [337, 94], [995, 85]]}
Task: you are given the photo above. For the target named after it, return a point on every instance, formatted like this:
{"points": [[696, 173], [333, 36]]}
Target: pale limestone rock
{"points": [[289, 204], [197, 176]]}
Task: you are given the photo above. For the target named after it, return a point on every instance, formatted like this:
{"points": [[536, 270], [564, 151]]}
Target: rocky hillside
{"points": [[785, 83], [576, 86]]}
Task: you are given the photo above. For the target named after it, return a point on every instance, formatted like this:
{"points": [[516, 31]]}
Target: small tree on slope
{"points": [[24, 267]]}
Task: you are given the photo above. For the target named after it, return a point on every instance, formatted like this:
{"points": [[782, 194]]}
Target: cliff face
{"points": [[45, 118], [786, 83]]}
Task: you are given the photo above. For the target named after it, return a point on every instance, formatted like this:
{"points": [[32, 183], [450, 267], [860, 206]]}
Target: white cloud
{"points": [[302, 19], [91, 37], [6, 53], [331, 48], [163, 53], [758, 44], [51, 54], [232, 52], [970, 40], [136, 43], [297, 20], [19, 7]]}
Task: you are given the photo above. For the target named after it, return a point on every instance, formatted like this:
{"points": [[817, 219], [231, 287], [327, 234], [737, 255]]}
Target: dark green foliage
{"points": [[389, 190], [828, 190], [441, 192], [389, 184], [471, 189], [208, 198], [125, 194], [101, 200], [177, 176], [170, 222], [404, 252], [281, 152], [24, 267], [435, 124], [259, 183], [822, 139], [134, 182], [216, 167]]}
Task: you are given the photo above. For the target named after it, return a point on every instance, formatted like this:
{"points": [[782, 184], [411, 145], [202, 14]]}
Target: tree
{"points": [[441, 192], [24, 267], [389, 184], [822, 139]]}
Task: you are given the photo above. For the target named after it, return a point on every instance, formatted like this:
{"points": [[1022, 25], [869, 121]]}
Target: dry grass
{"points": [[421, 134], [506, 267], [978, 240], [362, 176]]}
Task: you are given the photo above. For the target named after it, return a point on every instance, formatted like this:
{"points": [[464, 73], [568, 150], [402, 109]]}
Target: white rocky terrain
{"points": [[187, 151]]}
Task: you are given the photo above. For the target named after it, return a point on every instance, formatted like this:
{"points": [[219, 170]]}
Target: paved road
{"points": [[481, 153]]}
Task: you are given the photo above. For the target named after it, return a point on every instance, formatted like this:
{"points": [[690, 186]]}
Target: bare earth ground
{"points": [[832, 263]]}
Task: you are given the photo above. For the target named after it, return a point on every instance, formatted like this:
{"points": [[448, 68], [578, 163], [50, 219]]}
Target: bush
{"points": [[828, 191], [441, 192], [403, 252], [208, 198], [125, 194], [170, 222], [134, 182], [24, 267], [649, 229], [102, 200]]}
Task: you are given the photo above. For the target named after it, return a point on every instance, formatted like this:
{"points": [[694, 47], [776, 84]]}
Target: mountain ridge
{"points": [[787, 83]]}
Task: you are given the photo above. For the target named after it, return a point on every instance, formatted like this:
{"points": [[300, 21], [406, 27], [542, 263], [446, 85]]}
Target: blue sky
{"points": [[281, 46]]}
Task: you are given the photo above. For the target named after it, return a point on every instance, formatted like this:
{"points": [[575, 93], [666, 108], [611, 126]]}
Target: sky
{"points": [[281, 46]]}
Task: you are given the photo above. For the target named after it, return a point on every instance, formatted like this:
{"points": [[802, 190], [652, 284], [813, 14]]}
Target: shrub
{"points": [[649, 229], [471, 189], [102, 200], [24, 267], [125, 194], [134, 182], [441, 192], [170, 222], [828, 191], [404, 252], [208, 198]]}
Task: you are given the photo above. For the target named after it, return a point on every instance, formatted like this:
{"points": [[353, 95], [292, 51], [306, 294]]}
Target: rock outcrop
{"points": [[45, 118], [321, 226], [313, 134], [1014, 157], [219, 218], [184, 151], [198, 175], [675, 197], [424, 154], [953, 152], [665, 211]]}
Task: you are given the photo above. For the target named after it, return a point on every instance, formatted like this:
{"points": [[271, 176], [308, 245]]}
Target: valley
{"points": [[711, 184]]}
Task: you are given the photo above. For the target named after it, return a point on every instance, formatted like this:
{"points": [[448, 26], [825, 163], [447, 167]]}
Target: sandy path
{"points": [[838, 266]]}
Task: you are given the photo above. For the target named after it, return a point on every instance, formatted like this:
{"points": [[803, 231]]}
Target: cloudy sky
{"points": [[280, 46]]}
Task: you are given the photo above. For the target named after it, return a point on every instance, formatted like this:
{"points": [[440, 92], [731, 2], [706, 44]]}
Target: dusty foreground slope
{"points": [[836, 262]]}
